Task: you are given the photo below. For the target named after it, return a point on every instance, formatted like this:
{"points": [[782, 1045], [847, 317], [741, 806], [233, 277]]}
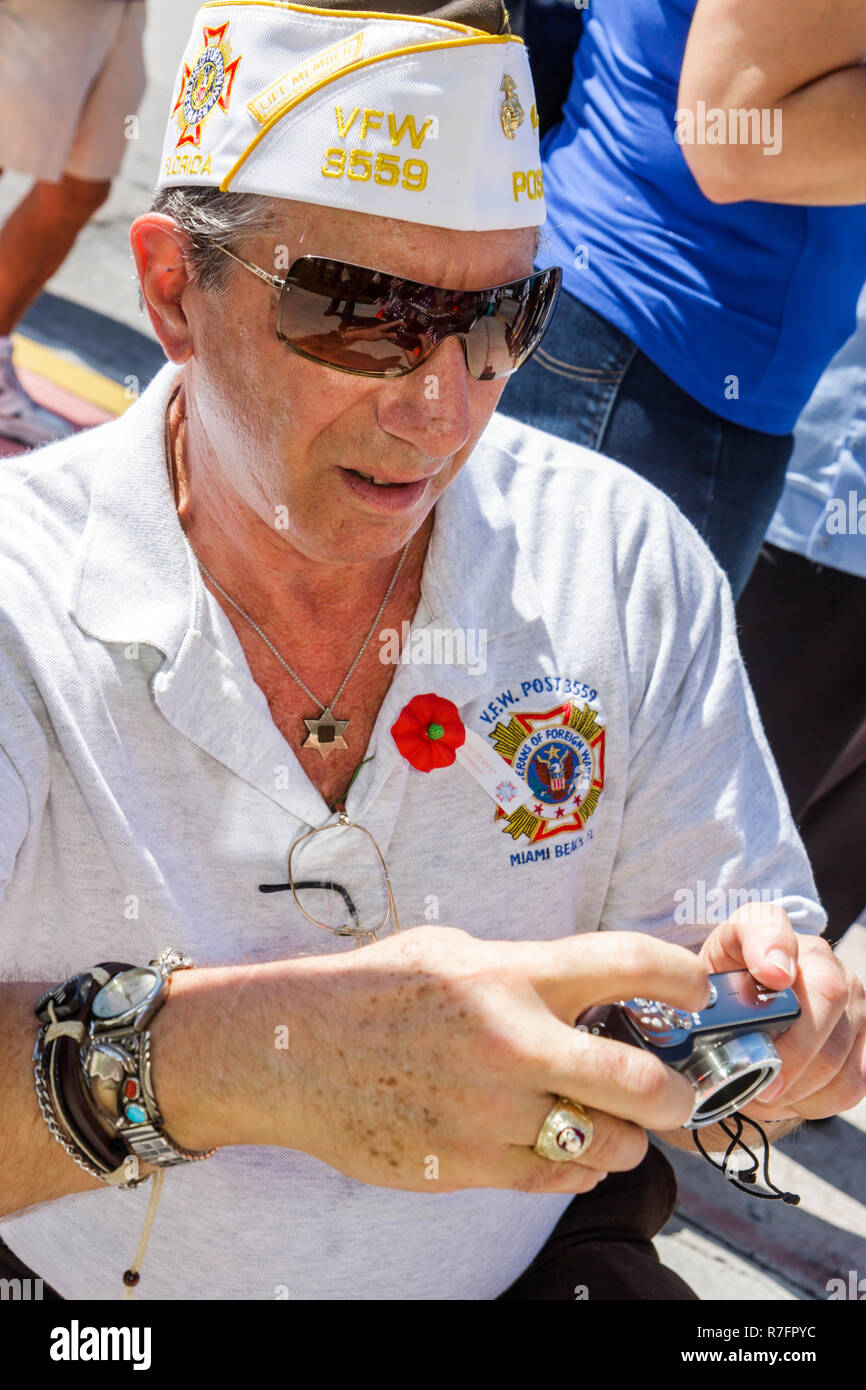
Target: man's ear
{"points": [[159, 246]]}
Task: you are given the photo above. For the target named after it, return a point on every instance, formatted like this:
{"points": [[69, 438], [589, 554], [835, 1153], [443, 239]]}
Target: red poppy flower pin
{"points": [[429, 731]]}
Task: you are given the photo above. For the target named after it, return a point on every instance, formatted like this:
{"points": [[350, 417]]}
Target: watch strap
{"points": [[146, 1137], [139, 1122], [72, 998]]}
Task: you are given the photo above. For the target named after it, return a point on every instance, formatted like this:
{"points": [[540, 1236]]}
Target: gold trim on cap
{"points": [[477, 39]]}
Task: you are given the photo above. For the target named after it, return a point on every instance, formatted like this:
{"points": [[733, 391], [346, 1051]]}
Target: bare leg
{"points": [[38, 236]]}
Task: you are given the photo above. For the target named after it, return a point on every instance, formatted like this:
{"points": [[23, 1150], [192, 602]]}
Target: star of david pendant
{"points": [[325, 733]]}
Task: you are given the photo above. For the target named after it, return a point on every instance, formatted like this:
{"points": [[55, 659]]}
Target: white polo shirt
{"points": [[145, 793]]}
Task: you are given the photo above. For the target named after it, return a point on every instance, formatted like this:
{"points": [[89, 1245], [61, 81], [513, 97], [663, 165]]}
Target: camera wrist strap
{"points": [[739, 1178]]}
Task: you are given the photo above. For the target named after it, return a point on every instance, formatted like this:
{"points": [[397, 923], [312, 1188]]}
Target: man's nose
{"points": [[430, 407]]}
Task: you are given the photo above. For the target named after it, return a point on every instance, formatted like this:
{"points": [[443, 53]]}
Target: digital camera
{"points": [[726, 1051]]}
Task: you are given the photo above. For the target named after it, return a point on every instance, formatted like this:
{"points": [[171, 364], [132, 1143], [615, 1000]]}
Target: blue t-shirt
{"points": [[742, 304]]}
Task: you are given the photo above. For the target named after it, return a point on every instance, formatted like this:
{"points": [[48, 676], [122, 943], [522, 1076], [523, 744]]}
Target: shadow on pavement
{"points": [[98, 341]]}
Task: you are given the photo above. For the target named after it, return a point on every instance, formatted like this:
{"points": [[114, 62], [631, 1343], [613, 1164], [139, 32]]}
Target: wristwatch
{"points": [[115, 1060]]}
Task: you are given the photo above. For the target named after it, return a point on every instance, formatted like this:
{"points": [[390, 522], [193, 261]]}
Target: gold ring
{"points": [[567, 1132]]}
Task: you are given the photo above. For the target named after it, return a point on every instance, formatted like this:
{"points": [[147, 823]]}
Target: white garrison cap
{"points": [[412, 116]]}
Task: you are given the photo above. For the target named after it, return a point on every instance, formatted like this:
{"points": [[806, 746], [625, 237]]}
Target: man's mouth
{"points": [[377, 482], [383, 482], [385, 493]]}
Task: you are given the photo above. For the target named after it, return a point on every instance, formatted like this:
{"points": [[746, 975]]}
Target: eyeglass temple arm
{"points": [[314, 883], [276, 280]]}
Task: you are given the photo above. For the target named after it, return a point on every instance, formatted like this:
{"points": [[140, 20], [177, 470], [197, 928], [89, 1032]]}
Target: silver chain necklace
{"points": [[325, 733]]}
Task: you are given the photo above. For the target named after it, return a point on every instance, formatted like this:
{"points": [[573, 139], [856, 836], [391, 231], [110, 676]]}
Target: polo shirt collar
{"points": [[135, 578], [132, 575]]}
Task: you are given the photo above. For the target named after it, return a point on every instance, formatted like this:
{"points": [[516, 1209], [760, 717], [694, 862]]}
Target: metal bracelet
{"points": [[63, 1137], [147, 1138], [153, 1111]]}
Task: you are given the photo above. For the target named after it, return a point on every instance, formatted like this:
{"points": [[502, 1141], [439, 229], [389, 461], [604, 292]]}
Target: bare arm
{"points": [[201, 1109], [434, 1043], [805, 61], [428, 1043], [33, 1167]]}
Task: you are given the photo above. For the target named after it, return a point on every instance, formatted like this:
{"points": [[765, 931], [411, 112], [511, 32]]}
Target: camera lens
{"points": [[731, 1097], [728, 1072]]}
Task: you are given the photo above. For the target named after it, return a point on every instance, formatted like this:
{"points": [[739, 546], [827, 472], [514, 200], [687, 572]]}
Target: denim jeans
{"points": [[591, 384]]}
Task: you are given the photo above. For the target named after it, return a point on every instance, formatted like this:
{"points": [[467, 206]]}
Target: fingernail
{"points": [[782, 961], [600, 1177]]}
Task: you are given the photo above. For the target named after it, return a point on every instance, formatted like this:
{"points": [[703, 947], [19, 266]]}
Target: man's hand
{"points": [[824, 1053], [428, 1061]]}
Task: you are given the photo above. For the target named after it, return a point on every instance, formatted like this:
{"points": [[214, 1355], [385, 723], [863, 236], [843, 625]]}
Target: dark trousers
{"points": [[601, 1248], [803, 639], [591, 384], [13, 1268]]}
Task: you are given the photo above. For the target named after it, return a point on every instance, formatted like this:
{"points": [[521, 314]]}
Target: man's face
{"points": [[291, 437]]}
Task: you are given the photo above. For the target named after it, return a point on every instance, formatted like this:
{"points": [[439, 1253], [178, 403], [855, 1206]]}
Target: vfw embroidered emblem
{"points": [[560, 755], [205, 85]]}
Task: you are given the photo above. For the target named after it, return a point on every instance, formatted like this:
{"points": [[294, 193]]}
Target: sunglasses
{"points": [[368, 323]]}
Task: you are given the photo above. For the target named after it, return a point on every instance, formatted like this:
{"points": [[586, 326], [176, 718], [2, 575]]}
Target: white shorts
{"points": [[71, 72]]}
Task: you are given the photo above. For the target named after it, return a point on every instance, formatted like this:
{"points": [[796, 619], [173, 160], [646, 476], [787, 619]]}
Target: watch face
{"points": [[126, 992]]}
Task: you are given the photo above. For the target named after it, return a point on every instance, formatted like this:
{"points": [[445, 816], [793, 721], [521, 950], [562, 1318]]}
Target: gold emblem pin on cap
{"points": [[511, 113]]}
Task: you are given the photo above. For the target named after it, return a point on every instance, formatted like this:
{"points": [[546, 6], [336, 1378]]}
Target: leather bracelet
{"points": [[84, 1121], [61, 1093], [48, 1110]]}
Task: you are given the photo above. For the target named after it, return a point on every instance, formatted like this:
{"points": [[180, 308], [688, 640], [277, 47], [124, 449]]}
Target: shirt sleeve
{"points": [[706, 823]]}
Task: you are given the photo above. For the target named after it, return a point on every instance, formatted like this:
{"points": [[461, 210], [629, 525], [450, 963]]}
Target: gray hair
{"points": [[212, 219]]}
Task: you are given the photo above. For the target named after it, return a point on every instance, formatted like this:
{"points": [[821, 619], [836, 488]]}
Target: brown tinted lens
{"points": [[366, 322], [510, 329], [348, 317]]}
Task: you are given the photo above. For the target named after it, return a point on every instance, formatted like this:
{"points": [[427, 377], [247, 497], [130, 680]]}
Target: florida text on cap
{"points": [[407, 116]]}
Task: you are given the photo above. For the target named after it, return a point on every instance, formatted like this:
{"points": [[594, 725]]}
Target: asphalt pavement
{"points": [[729, 1245], [99, 272]]}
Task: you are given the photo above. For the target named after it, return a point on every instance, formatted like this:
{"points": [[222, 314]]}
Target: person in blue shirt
{"points": [[809, 585], [704, 191]]}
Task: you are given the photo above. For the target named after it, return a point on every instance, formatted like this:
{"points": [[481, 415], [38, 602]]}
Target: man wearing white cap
{"points": [[238, 720]]}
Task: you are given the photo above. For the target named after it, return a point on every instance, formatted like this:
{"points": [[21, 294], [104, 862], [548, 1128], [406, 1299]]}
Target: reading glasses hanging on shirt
{"points": [[340, 882]]}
